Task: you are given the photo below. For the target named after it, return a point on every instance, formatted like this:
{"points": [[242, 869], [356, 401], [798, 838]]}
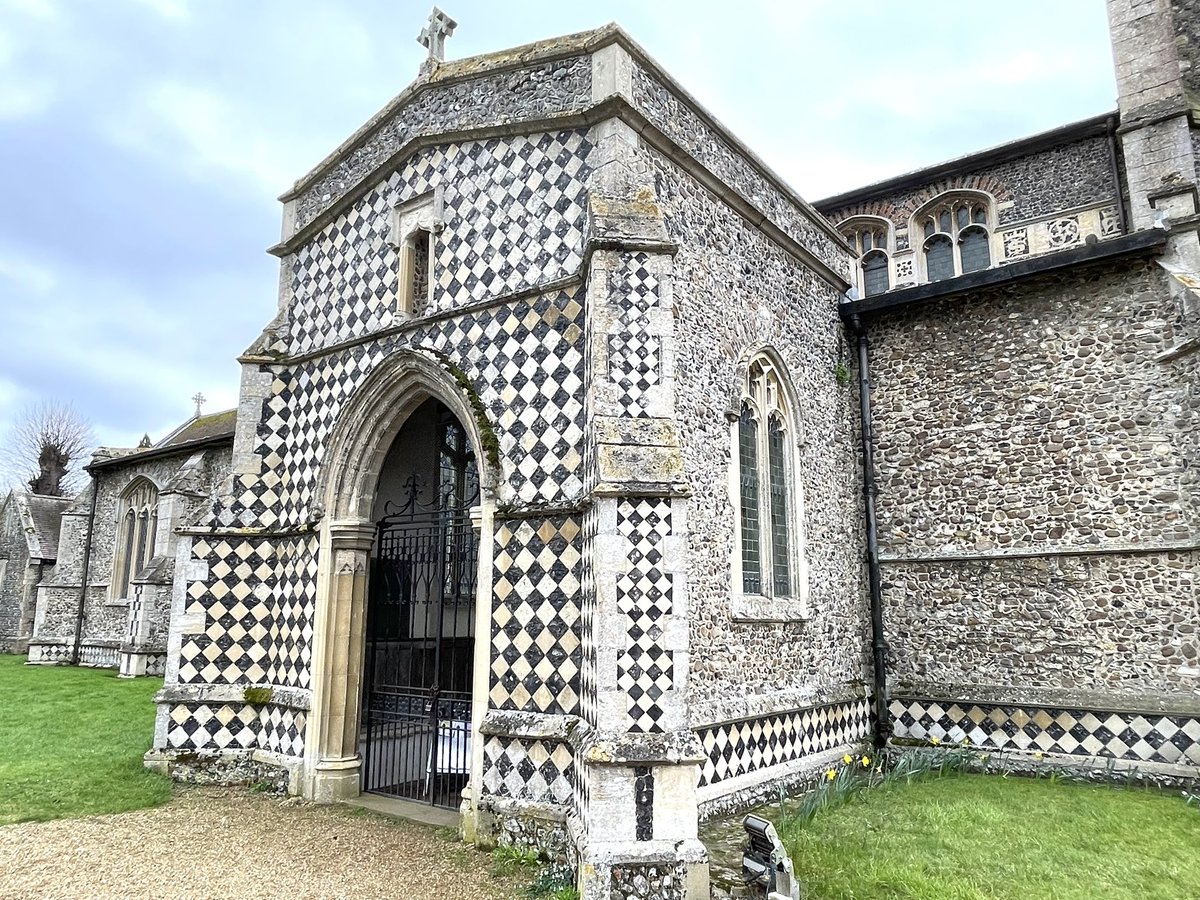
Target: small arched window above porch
{"points": [[414, 228], [137, 523], [871, 239], [956, 230]]}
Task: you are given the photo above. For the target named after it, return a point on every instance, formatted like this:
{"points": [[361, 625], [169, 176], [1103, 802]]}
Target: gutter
{"points": [[81, 611], [882, 717]]}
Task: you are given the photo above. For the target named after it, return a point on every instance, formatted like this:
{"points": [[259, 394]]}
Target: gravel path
{"points": [[223, 843]]}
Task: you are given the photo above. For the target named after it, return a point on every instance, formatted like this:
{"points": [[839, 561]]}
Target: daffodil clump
{"points": [[862, 771]]}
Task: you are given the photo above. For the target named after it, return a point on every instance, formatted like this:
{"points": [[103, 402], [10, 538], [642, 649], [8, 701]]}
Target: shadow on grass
{"points": [[71, 742]]}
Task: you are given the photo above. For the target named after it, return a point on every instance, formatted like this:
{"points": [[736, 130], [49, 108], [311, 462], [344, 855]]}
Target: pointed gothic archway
{"points": [[420, 630], [357, 483]]}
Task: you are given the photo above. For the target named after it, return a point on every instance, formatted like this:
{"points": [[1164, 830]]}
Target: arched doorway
{"points": [[419, 658]]}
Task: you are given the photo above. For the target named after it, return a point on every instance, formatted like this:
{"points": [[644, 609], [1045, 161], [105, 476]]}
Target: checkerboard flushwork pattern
{"points": [[281, 730], [748, 745], [258, 603], [634, 353], [201, 726], [513, 216], [537, 770], [536, 653], [1137, 737], [525, 361], [645, 671]]}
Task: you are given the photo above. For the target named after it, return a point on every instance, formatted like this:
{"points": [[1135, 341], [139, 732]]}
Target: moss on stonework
{"points": [[489, 443]]}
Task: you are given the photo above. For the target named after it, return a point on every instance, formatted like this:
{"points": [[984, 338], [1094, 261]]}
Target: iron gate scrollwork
{"points": [[421, 638]]}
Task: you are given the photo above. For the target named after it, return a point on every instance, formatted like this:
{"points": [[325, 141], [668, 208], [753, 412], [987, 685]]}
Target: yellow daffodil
{"points": [[866, 760], [847, 759], [830, 775], [935, 740]]}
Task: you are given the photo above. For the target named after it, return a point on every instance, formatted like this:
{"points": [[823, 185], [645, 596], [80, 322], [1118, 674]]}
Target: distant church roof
{"points": [[40, 520], [199, 430]]}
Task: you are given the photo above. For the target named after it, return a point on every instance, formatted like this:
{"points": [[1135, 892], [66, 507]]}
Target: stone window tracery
{"points": [[137, 523], [871, 240], [769, 535], [956, 232]]}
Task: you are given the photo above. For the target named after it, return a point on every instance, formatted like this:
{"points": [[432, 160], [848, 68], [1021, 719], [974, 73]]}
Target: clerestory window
{"points": [[870, 240], [956, 236], [137, 524]]}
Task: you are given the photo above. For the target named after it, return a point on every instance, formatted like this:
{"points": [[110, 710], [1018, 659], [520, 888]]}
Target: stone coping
{"points": [[291, 698]]}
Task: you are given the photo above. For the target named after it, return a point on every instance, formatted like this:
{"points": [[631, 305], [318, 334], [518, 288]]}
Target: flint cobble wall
{"points": [[107, 617], [14, 557], [1028, 187], [735, 291], [1034, 430]]}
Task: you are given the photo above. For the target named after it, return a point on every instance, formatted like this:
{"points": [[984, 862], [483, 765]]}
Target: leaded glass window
{"points": [[875, 273], [748, 479], [777, 470], [870, 239], [138, 521], [974, 250], [767, 528], [939, 258], [957, 240]]}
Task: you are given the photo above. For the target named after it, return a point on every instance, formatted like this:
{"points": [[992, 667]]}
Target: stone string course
{"points": [[736, 292], [551, 88]]}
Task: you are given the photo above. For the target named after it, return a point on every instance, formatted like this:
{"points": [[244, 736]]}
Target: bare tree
{"points": [[46, 447]]}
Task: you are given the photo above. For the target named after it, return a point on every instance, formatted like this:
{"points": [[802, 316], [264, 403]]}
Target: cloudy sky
{"points": [[143, 144]]}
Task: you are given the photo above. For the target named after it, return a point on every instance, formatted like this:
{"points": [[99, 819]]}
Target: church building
{"points": [[591, 482]]}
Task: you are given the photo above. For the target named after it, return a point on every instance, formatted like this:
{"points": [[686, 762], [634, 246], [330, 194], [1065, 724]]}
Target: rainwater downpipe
{"points": [[883, 720], [1116, 174], [87, 561]]}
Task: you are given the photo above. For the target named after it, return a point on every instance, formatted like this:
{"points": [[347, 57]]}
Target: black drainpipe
{"points": [[87, 561], [1116, 174], [883, 720]]}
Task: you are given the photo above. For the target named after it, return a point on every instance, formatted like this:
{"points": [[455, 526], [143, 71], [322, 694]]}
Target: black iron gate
{"points": [[420, 651]]}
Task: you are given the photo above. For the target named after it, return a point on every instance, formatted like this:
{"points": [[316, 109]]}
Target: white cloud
{"points": [[201, 130], [168, 9], [25, 273], [20, 101], [34, 9]]}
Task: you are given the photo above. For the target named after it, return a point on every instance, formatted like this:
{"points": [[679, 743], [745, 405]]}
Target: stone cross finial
{"points": [[434, 35], [198, 399]]}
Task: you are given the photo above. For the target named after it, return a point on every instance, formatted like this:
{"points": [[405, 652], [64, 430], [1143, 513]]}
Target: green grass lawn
{"points": [[971, 837], [71, 742]]}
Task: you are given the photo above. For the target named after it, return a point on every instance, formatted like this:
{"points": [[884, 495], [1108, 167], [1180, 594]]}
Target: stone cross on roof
{"points": [[434, 35], [198, 399]]}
